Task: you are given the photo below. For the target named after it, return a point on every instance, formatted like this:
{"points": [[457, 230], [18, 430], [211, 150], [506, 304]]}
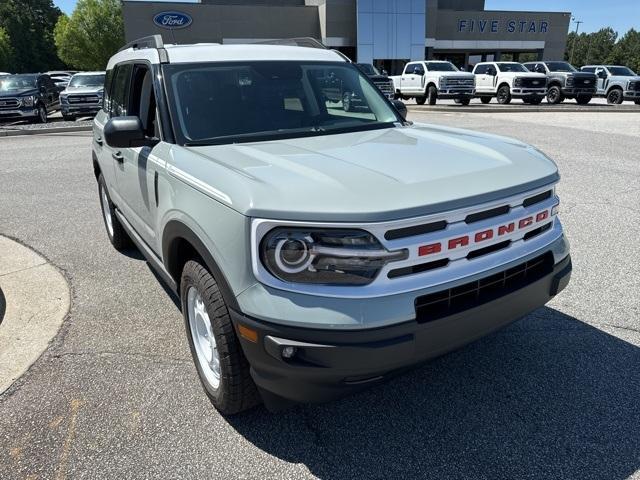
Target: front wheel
{"points": [[116, 233], [432, 95], [583, 99], [504, 95], [533, 100], [421, 100], [41, 117], [463, 101], [554, 95], [615, 97], [485, 100], [217, 354]]}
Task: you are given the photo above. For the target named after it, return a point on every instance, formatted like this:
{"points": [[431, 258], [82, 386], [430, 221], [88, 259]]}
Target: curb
{"points": [[519, 109], [43, 131], [37, 298]]}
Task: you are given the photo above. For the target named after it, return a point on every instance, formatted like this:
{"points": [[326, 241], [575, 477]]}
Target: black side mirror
{"points": [[540, 69], [401, 108], [384, 72], [126, 132]]}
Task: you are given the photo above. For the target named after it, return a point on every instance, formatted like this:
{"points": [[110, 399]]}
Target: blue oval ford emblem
{"points": [[172, 20]]}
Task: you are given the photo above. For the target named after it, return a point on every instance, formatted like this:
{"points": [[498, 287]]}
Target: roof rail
{"points": [[152, 41], [295, 42]]}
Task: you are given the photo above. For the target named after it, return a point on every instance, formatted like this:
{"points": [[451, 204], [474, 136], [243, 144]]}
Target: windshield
{"points": [[18, 82], [441, 67], [621, 71], [511, 67], [560, 67], [368, 69], [231, 102], [87, 80]]}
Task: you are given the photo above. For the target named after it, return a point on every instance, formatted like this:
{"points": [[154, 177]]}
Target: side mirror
{"points": [[401, 108], [540, 69], [126, 132], [601, 73], [384, 72]]}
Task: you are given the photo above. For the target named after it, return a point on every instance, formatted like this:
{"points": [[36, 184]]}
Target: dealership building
{"points": [[385, 32]]}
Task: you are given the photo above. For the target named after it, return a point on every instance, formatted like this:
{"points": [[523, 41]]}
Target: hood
{"points": [[88, 89], [19, 93], [457, 74], [368, 176]]}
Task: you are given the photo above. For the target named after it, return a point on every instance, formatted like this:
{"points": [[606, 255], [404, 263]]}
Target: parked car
{"points": [[616, 83], [28, 96], [507, 80], [380, 80], [565, 81], [83, 95], [315, 252], [61, 78], [427, 81]]}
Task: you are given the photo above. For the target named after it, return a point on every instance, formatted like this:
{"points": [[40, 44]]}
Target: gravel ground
{"points": [[554, 395]]}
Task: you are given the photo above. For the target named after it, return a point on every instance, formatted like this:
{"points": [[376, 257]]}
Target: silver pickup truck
{"points": [[315, 251], [616, 83]]}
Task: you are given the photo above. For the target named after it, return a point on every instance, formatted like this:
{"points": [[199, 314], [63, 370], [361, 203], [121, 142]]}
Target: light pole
{"points": [[575, 40]]}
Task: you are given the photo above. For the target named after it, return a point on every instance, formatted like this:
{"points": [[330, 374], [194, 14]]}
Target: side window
{"points": [[589, 69], [106, 102], [419, 69], [481, 69], [120, 90], [142, 100], [529, 66], [408, 70]]}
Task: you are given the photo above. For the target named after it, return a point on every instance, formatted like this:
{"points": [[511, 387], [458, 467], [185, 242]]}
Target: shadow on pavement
{"points": [[547, 397], [3, 305]]}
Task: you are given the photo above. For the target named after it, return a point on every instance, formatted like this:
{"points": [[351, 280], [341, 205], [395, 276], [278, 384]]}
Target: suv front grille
{"points": [[473, 294], [459, 82], [635, 85], [385, 86], [9, 103], [529, 82], [83, 99]]}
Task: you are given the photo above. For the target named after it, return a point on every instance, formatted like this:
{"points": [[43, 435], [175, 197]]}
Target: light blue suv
{"points": [[316, 250]]}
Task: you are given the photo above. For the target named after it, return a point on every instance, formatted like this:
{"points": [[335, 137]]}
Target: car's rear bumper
{"points": [[332, 363]]}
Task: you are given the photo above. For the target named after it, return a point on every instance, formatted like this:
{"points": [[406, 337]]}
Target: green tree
{"points": [[587, 48], [92, 34], [6, 51], [627, 51], [29, 24]]}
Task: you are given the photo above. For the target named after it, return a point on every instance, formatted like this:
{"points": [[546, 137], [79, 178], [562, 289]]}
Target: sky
{"points": [[619, 14]]}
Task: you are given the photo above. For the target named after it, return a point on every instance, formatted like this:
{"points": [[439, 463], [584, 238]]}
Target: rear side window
{"points": [[589, 69], [106, 105], [119, 98], [481, 69]]}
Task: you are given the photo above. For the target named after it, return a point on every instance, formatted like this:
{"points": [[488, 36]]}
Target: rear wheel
{"points": [[432, 95], [583, 99], [554, 95], [421, 100], [217, 354], [504, 95], [485, 100], [615, 97], [464, 101], [116, 233]]}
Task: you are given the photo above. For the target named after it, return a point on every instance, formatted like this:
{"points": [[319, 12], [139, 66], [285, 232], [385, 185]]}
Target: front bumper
{"points": [[632, 94], [579, 91], [329, 364], [456, 92], [80, 109], [18, 113], [528, 92]]}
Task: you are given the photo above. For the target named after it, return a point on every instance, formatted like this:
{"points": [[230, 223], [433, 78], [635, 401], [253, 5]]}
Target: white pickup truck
{"points": [[430, 80], [507, 80]]}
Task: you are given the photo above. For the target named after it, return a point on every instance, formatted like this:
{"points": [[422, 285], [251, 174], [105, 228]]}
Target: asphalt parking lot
{"points": [[554, 395]]}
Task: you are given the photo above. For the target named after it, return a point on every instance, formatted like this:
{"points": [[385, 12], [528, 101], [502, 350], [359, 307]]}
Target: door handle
{"points": [[99, 140], [117, 156]]}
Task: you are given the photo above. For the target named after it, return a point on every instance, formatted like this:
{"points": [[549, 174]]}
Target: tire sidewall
{"points": [[42, 114], [556, 97], [505, 97], [103, 186], [614, 97]]}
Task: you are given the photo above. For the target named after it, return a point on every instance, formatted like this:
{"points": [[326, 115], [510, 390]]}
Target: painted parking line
{"points": [[37, 298]]}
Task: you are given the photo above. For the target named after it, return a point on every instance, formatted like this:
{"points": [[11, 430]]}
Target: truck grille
{"points": [[635, 86], [9, 103], [459, 82], [473, 294], [385, 86], [528, 82], [82, 99]]}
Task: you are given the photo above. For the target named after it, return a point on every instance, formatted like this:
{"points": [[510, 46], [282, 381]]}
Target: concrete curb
{"points": [[37, 300], [520, 109], [43, 131]]}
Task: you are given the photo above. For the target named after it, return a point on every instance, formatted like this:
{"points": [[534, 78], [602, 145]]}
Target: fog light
{"points": [[289, 352], [555, 209]]}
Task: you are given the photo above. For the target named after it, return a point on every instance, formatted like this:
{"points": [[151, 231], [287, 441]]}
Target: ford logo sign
{"points": [[172, 20], [536, 82]]}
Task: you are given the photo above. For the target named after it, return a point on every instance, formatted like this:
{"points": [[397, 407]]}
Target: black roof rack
{"points": [[295, 42], [152, 41]]}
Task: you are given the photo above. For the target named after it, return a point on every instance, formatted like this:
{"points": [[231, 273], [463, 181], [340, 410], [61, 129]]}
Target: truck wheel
{"points": [[615, 97], [432, 95], [485, 100], [463, 101], [554, 95], [421, 100], [346, 101], [42, 114], [533, 100], [504, 95], [116, 233], [217, 354], [68, 118], [583, 99]]}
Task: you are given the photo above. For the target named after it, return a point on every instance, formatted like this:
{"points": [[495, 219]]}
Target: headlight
{"points": [[570, 80], [517, 82], [442, 81], [325, 256], [28, 101]]}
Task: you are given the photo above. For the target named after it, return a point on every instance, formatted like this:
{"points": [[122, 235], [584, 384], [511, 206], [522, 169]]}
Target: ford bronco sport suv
{"points": [[315, 251]]}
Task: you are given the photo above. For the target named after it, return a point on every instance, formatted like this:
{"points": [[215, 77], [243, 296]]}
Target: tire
{"points": [[554, 95], [421, 100], [464, 101], [615, 96], [68, 118], [583, 99], [116, 233], [432, 95], [211, 334], [42, 114], [485, 100], [533, 100], [504, 95], [346, 102]]}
